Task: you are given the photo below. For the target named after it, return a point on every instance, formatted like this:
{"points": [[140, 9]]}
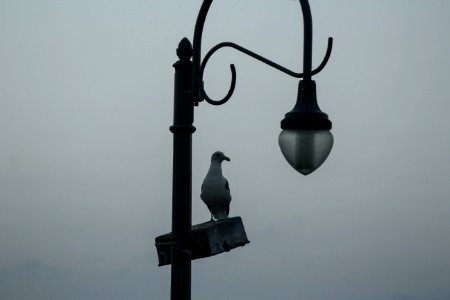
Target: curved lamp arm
{"points": [[203, 94], [198, 68]]}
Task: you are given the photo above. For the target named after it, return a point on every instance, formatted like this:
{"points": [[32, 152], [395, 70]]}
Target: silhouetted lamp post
{"points": [[305, 141]]}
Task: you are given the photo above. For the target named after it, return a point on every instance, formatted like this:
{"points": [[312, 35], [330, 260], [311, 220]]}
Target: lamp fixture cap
{"points": [[306, 114]]}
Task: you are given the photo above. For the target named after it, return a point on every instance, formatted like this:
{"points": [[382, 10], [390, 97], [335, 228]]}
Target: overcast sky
{"points": [[86, 100]]}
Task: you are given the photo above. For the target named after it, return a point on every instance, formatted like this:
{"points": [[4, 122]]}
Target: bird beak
{"points": [[227, 158]]}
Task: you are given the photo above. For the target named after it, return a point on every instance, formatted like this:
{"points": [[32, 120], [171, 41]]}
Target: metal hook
{"points": [[326, 58], [230, 91]]}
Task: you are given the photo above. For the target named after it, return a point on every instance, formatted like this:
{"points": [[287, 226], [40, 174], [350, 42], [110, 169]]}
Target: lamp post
{"points": [[305, 140]]}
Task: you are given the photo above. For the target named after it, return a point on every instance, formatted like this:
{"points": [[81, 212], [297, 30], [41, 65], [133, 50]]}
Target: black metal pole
{"points": [[182, 174], [307, 39]]}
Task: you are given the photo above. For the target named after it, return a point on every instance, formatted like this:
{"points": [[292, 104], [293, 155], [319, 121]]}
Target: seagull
{"points": [[215, 191]]}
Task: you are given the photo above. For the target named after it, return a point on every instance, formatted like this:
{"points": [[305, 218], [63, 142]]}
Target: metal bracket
{"points": [[206, 239]]}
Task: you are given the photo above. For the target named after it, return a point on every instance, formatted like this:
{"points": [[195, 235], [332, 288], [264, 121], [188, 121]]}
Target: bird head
{"points": [[219, 157]]}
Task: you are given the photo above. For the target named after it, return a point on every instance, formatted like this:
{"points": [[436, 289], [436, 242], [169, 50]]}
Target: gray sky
{"points": [[86, 91]]}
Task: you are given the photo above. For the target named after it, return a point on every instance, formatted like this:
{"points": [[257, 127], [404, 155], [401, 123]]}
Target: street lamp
{"points": [[305, 139]]}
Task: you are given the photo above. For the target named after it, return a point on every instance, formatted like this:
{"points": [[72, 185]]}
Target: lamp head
{"points": [[306, 140]]}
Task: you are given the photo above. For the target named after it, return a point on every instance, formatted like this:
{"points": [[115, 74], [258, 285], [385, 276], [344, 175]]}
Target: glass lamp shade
{"points": [[305, 149]]}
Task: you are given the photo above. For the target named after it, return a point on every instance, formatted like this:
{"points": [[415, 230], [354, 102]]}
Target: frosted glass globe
{"points": [[305, 149]]}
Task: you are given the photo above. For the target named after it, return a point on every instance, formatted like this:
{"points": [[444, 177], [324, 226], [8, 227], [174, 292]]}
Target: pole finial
{"points": [[184, 50]]}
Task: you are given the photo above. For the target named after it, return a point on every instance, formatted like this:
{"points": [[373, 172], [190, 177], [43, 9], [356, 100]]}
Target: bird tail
{"points": [[220, 212]]}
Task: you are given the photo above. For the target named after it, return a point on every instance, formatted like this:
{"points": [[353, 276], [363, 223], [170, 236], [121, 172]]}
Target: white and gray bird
{"points": [[215, 191]]}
